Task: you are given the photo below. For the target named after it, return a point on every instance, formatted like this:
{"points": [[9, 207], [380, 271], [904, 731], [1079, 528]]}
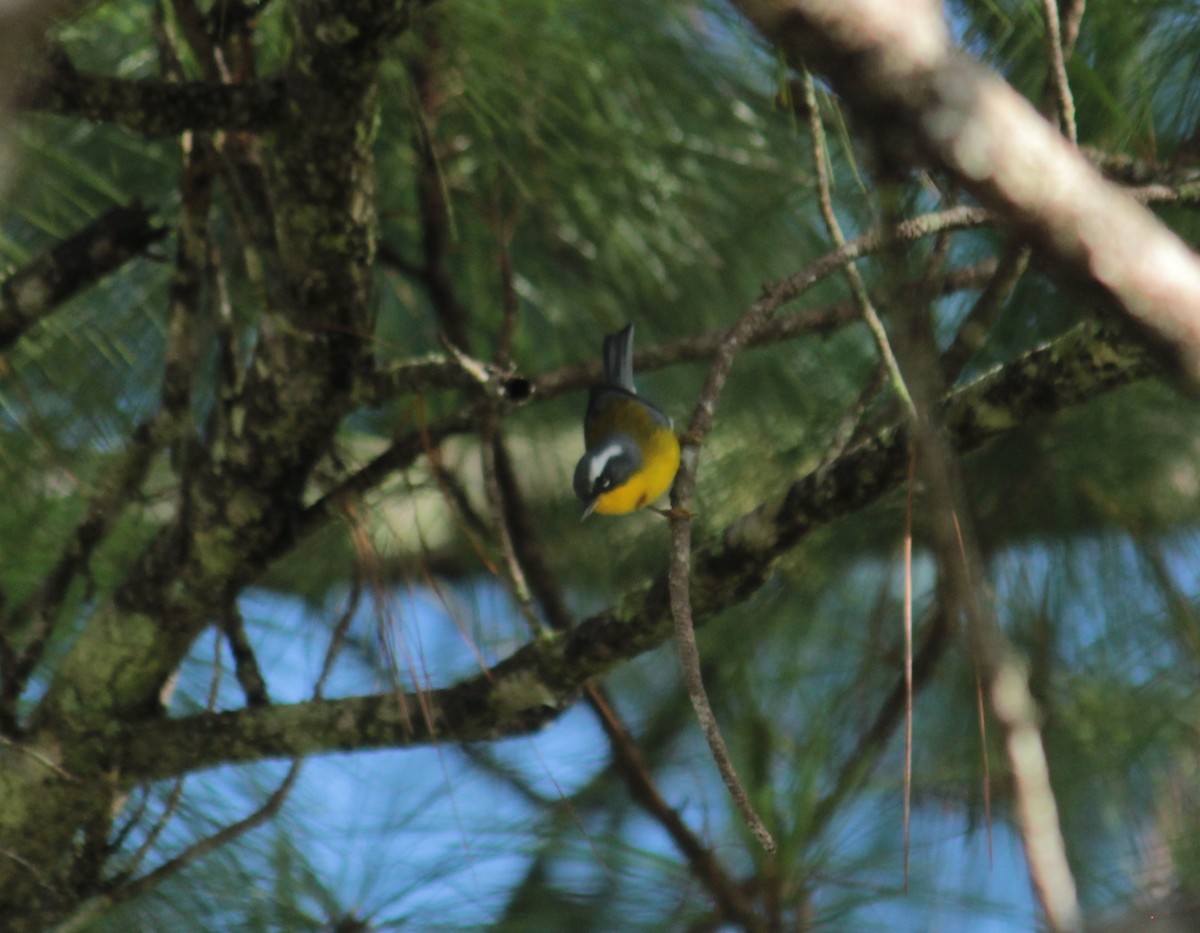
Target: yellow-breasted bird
{"points": [[632, 451]]}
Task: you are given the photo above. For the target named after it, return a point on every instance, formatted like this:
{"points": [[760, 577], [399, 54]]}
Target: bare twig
{"points": [[853, 423], [489, 441], [974, 330], [689, 659], [981, 715], [39, 757], [337, 637], [446, 372], [94, 906], [679, 572], [731, 900], [1056, 68], [853, 277]]}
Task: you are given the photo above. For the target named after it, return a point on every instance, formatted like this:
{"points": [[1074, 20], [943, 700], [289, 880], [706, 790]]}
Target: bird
{"points": [[632, 451]]}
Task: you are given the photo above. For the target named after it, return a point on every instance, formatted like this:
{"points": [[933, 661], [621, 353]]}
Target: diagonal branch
{"points": [[539, 681], [92, 908], [40, 286], [922, 100]]}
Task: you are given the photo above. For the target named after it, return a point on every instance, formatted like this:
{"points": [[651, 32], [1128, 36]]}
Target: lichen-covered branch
{"points": [[245, 483], [538, 682], [154, 107]]}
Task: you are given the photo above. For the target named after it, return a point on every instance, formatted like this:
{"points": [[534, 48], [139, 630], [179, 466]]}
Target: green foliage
{"points": [[634, 163]]}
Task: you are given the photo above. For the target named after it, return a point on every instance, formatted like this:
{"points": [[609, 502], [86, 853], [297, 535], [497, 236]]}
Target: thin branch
{"points": [[910, 485], [39, 613], [730, 899], [42, 285], [337, 638], [853, 277], [90, 909], [399, 455], [973, 331], [853, 425], [689, 660], [680, 568], [445, 372], [520, 521], [490, 441], [627, 757], [43, 760], [1056, 70], [245, 664], [985, 764]]}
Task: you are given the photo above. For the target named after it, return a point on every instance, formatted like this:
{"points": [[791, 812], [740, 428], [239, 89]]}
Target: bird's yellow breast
{"points": [[660, 462]]}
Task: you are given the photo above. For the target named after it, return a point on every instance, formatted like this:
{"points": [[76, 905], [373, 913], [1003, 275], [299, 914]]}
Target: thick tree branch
{"points": [[40, 286], [541, 680], [152, 107], [923, 101], [246, 485]]}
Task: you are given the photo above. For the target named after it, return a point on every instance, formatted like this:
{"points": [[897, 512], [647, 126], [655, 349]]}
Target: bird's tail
{"points": [[618, 359]]}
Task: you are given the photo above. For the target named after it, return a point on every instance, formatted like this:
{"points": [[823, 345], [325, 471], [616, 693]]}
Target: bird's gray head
{"points": [[605, 467]]}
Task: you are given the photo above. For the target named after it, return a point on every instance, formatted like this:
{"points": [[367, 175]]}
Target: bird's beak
{"points": [[588, 508]]}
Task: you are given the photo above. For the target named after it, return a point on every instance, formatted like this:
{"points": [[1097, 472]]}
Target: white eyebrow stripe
{"points": [[599, 462]]}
